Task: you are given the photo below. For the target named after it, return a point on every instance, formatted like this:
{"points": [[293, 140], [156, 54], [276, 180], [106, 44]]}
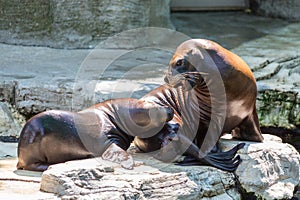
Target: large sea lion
{"points": [[106, 129], [212, 91]]}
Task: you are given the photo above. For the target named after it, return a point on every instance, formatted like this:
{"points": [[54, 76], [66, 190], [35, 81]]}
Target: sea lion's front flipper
{"points": [[38, 166], [227, 155], [249, 129], [227, 161], [116, 154]]}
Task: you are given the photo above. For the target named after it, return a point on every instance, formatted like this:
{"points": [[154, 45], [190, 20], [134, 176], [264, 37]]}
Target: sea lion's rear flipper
{"points": [[248, 129], [116, 154], [40, 167], [227, 161]]}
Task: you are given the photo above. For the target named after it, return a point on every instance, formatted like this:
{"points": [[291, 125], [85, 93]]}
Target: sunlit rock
{"points": [[269, 170]]}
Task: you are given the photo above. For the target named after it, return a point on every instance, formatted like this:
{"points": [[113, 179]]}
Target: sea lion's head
{"points": [[190, 63], [143, 118], [168, 145], [164, 146], [146, 113]]}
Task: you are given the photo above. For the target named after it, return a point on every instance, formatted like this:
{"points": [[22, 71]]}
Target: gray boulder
{"points": [[269, 170]]}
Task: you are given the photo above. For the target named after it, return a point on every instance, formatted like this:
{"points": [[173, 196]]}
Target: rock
{"points": [[77, 23], [269, 170], [38, 78], [8, 150], [98, 178], [99, 78], [279, 100], [11, 123], [29, 100], [19, 184], [7, 91], [277, 71], [224, 31], [288, 9]]}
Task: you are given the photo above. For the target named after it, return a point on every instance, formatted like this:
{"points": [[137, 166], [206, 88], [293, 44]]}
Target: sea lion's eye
{"points": [[181, 66], [179, 62]]}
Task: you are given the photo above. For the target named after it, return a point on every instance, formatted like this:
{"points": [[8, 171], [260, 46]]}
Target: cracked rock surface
{"points": [[270, 170]]}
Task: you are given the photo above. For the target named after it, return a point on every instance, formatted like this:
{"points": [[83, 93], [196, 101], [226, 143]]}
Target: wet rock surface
{"points": [[230, 29]]}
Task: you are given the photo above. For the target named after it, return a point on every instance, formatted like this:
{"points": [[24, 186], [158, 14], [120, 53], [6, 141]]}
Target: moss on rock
{"points": [[279, 109]]}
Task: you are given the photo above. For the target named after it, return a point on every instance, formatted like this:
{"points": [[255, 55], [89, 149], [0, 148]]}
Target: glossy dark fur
{"points": [[57, 136]]}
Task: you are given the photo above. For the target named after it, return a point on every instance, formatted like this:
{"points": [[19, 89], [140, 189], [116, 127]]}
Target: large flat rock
{"points": [[269, 170]]}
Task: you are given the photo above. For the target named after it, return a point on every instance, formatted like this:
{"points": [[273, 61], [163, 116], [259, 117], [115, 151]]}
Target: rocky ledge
{"points": [[32, 88], [270, 170], [277, 71]]}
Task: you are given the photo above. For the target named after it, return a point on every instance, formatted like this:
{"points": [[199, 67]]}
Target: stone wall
{"points": [[287, 9], [76, 23]]}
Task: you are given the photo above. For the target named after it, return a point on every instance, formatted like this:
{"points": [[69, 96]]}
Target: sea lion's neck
{"points": [[189, 101]]}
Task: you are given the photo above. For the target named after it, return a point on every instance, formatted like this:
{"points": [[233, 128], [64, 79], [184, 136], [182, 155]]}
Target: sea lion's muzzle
{"points": [[174, 80]]}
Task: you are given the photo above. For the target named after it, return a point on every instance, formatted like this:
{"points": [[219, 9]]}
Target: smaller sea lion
{"points": [[105, 129]]}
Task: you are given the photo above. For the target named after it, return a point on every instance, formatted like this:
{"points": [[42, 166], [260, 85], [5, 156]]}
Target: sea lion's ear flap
{"points": [[196, 51], [195, 57]]}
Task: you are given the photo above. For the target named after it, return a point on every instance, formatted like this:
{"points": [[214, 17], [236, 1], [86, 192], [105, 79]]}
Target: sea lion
{"points": [[105, 129], [212, 91]]}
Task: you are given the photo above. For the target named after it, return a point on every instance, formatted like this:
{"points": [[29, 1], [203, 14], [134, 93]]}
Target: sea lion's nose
{"points": [[166, 80], [167, 77], [173, 78]]}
